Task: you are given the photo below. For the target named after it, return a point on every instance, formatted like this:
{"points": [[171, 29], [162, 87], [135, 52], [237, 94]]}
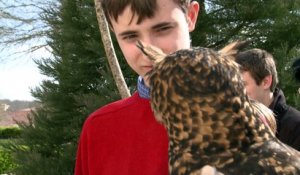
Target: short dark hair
{"points": [[142, 8], [259, 63]]}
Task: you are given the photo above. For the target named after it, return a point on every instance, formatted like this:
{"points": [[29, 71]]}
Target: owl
{"points": [[199, 96]]}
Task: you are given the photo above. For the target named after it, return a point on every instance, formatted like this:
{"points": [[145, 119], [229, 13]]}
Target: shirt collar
{"points": [[143, 90]]}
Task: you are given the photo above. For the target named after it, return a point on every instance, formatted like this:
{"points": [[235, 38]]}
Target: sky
{"points": [[18, 72], [18, 76]]}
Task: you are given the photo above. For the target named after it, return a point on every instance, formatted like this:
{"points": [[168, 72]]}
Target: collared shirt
{"points": [[143, 90]]}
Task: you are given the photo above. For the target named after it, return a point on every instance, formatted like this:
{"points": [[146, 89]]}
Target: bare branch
{"points": [[109, 49]]}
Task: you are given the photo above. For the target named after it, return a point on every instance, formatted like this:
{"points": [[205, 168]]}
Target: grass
{"points": [[6, 160]]}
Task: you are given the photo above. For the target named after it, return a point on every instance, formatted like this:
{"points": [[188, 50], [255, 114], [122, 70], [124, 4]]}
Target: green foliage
{"points": [[286, 81], [6, 162], [10, 132], [6, 159]]}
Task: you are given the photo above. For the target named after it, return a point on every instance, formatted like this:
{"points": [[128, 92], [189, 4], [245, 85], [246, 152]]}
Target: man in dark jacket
{"points": [[288, 120], [260, 78]]}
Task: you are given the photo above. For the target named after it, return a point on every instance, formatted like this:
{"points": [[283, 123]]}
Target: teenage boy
{"points": [[123, 137], [260, 78]]}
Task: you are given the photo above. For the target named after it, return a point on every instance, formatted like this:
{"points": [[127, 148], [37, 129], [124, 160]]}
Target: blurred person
{"points": [[266, 115], [296, 69], [260, 78]]}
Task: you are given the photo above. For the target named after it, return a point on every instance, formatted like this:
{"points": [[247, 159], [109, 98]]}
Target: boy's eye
{"points": [[163, 28], [130, 37]]}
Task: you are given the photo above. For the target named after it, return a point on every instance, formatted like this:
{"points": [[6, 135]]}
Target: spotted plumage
{"points": [[199, 96]]}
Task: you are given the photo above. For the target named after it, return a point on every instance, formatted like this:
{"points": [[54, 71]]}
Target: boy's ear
{"points": [[192, 14], [267, 81]]}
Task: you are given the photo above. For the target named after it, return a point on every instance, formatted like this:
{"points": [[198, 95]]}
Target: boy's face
{"points": [[254, 91], [168, 30]]}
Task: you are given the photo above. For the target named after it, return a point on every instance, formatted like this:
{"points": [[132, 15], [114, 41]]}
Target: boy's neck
{"points": [[267, 101], [143, 90]]}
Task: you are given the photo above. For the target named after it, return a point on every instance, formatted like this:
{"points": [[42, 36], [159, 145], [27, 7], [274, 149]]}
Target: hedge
{"points": [[9, 132]]}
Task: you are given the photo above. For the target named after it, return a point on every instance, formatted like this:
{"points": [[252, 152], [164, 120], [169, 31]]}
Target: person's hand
{"points": [[209, 170]]}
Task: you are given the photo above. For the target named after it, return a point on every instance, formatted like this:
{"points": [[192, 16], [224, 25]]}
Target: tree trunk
{"points": [[110, 52]]}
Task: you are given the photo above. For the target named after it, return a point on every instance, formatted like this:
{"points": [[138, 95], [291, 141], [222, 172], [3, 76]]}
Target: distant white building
{"points": [[3, 107]]}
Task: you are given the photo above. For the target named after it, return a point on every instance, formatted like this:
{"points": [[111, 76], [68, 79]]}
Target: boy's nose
{"points": [[149, 38]]}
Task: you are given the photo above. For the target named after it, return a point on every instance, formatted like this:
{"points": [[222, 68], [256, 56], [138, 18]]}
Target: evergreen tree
{"points": [[79, 82]]}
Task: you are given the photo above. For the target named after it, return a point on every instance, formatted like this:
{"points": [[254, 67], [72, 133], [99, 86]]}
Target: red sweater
{"points": [[123, 138]]}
